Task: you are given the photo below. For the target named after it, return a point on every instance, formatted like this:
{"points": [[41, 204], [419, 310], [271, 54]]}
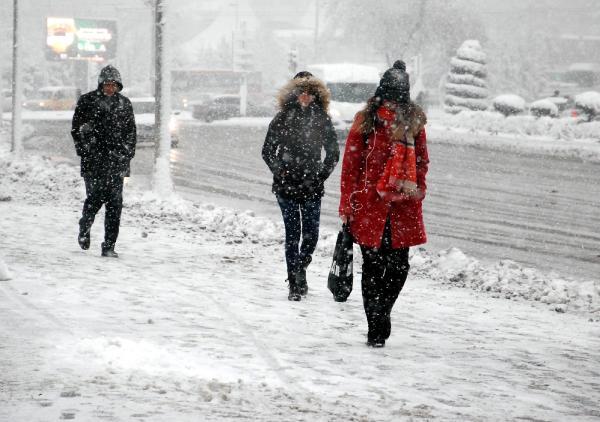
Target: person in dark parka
{"points": [[104, 133], [297, 135]]}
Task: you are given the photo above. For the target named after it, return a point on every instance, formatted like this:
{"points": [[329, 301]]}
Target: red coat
{"points": [[359, 197]]}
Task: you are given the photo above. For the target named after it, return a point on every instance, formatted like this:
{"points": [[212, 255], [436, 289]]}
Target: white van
{"points": [[350, 85]]}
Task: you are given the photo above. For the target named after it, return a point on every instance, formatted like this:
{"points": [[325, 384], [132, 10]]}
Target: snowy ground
{"points": [[192, 323]]}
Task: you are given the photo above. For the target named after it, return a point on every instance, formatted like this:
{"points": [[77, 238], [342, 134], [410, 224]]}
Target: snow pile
{"points": [[466, 88], [38, 179], [509, 280], [236, 224], [495, 123]]}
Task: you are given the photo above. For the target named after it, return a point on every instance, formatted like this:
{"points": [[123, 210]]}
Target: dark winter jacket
{"points": [[295, 140], [103, 129]]}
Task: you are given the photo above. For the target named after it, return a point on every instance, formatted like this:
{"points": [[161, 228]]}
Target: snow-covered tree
{"points": [[466, 86], [381, 31]]}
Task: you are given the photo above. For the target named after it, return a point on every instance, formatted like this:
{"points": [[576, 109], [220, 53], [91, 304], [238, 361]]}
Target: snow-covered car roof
{"points": [[345, 72]]}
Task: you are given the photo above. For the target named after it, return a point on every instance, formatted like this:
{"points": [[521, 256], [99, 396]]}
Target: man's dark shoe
{"points": [[387, 328], [84, 239], [109, 251], [378, 343]]}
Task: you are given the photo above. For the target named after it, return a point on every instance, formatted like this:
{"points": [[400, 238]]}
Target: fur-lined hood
{"points": [[288, 95]]}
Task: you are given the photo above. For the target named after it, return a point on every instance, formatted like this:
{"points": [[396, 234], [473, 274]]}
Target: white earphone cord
{"points": [[364, 189]]}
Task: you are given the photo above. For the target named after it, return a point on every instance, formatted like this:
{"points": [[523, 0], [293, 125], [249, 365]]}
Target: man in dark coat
{"points": [[104, 133], [295, 140]]}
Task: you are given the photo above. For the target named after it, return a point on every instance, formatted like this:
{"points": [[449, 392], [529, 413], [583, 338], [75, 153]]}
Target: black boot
{"points": [[294, 293], [301, 281], [108, 250], [84, 238], [301, 276], [376, 343], [378, 325]]}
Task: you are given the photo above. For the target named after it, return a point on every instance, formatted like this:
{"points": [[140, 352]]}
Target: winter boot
{"points": [[108, 250], [84, 239], [294, 294], [387, 327], [377, 323], [376, 343], [301, 276]]}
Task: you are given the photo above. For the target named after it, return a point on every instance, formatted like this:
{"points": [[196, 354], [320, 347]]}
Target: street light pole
{"points": [[316, 40], [162, 182], [17, 86]]}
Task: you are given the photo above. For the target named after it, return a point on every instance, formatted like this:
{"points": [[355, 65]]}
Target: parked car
{"points": [[54, 98], [225, 106], [143, 109]]}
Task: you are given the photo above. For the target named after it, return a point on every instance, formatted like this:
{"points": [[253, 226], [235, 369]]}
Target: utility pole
{"points": [[162, 182], [17, 86], [316, 41]]}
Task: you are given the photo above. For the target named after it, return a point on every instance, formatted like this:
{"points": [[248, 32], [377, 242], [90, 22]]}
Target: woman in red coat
{"points": [[384, 224]]}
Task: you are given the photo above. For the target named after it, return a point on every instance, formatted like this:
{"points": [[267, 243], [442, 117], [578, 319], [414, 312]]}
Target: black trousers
{"points": [[301, 221], [384, 273], [107, 190]]}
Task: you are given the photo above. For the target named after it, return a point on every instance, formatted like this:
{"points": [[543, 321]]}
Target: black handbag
{"points": [[340, 280]]}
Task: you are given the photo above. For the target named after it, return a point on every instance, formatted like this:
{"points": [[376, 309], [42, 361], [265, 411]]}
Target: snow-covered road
{"points": [[494, 201], [192, 323]]}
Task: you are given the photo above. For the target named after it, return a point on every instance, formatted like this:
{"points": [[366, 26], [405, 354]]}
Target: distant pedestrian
{"points": [[382, 188], [104, 133], [297, 135]]}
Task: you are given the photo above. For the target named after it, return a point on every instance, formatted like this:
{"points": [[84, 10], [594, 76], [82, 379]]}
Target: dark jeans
{"points": [[384, 273], [301, 219], [107, 190]]}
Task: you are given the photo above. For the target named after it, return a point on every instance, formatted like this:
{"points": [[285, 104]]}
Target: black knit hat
{"points": [[303, 74], [394, 84], [109, 74]]}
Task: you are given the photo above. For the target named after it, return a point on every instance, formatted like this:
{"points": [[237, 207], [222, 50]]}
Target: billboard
{"points": [[80, 39]]}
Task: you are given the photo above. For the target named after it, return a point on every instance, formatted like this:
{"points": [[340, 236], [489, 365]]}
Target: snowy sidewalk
{"points": [[192, 323]]}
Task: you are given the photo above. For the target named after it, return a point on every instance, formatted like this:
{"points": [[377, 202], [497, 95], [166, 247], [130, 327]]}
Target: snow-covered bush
{"points": [[509, 104], [543, 107], [466, 87], [493, 123], [588, 104]]}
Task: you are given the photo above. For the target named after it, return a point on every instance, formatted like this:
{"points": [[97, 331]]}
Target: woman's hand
{"points": [[346, 219], [417, 194]]}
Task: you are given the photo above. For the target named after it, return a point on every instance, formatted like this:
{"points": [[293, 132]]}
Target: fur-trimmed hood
{"points": [[288, 95]]}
